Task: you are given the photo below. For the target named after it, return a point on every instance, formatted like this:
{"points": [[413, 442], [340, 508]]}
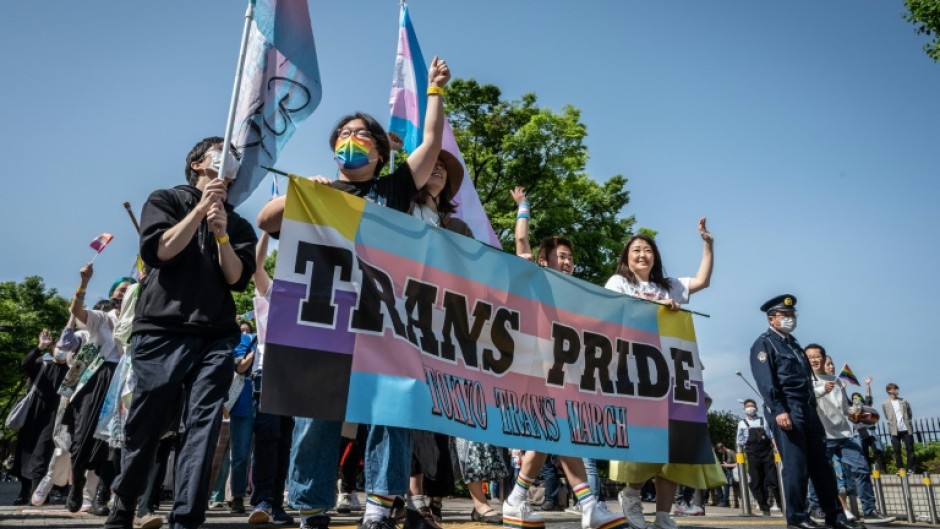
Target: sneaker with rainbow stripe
{"points": [[521, 517], [600, 518]]}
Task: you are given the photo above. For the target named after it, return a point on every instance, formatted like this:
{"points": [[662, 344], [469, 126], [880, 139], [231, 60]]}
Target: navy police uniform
{"points": [[784, 378]]}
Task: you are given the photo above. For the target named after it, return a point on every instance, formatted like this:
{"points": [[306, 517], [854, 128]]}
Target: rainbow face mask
{"points": [[352, 152]]}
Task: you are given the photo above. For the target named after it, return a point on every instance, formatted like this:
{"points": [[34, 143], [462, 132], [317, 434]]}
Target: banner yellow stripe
{"points": [[315, 203], [675, 324]]}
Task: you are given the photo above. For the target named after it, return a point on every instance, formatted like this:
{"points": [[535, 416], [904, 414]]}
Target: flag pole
{"points": [[127, 206], [239, 70]]}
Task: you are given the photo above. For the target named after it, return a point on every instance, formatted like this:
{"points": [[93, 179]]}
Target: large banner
{"points": [[377, 317]]}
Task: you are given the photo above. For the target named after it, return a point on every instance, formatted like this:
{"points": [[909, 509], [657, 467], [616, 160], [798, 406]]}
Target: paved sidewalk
{"points": [[456, 514]]}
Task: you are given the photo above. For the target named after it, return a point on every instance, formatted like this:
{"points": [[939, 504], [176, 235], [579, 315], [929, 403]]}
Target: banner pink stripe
{"points": [[384, 355], [537, 317]]}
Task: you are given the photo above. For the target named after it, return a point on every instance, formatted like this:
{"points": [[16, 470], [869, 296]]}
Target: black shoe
{"points": [[845, 524], [317, 521], [877, 517], [122, 515], [420, 519], [817, 516], [397, 513], [437, 506], [491, 516], [74, 502], [237, 506], [20, 500], [99, 505], [808, 524], [548, 506], [384, 523]]}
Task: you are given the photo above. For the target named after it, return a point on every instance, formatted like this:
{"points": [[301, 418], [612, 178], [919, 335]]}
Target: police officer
{"points": [[755, 435], [784, 379]]}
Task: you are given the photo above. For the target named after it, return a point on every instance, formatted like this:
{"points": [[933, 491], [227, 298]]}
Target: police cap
{"points": [[781, 302]]}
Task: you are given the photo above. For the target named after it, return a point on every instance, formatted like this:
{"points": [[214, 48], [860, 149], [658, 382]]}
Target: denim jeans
{"points": [[594, 481], [218, 488], [315, 457], [241, 428], [549, 476], [849, 451]]}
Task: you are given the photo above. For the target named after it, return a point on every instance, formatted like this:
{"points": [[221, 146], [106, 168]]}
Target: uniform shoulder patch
{"points": [[762, 356]]}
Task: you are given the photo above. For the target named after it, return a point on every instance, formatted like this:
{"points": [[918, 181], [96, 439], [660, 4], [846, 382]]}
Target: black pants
{"points": [[908, 441], [803, 449], [762, 479], [271, 458], [174, 369]]}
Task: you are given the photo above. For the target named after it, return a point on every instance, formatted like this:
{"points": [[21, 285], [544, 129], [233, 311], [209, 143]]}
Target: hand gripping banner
{"points": [[379, 318]]}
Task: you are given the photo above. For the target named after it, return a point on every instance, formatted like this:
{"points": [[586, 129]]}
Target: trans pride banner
{"points": [[377, 317]]}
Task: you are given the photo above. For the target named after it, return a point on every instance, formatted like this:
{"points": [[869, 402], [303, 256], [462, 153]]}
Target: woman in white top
{"points": [[641, 274]]}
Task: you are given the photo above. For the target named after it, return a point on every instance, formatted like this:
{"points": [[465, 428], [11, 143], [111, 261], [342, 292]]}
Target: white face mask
{"points": [[750, 411], [231, 164], [787, 324], [59, 356]]}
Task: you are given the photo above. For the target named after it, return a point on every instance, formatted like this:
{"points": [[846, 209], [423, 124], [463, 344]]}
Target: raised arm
{"points": [[422, 160], [77, 308], [262, 280], [703, 277], [523, 249]]}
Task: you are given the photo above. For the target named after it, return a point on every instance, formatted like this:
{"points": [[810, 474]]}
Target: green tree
{"points": [[26, 308], [925, 15], [517, 143], [723, 426]]}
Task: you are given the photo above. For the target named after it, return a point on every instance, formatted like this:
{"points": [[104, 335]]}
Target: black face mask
{"points": [[116, 303]]}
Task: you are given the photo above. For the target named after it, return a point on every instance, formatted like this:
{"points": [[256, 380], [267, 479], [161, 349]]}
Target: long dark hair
{"points": [[445, 202], [658, 272]]}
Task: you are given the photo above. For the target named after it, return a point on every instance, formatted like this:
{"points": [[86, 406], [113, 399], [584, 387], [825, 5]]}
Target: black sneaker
{"points": [[280, 517], [383, 523], [74, 501], [420, 519], [237, 506], [317, 521], [877, 517]]}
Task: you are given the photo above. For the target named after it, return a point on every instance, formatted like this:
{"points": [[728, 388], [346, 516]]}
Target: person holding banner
{"points": [[641, 274], [556, 253], [361, 149], [199, 250]]}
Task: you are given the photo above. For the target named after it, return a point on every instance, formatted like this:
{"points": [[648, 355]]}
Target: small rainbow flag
{"points": [[101, 241], [848, 376]]}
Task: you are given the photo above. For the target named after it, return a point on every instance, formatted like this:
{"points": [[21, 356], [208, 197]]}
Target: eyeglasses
{"points": [[362, 134]]}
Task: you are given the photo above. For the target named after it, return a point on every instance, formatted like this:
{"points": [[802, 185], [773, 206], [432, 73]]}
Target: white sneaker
{"points": [[694, 510], [344, 502], [664, 521], [574, 509], [632, 510], [521, 517], [774, 508], [86, 505], [42, 491], [849, 516], [600, 518]]}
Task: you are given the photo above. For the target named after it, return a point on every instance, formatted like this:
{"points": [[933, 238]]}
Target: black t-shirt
{"points": [[394, 190]]}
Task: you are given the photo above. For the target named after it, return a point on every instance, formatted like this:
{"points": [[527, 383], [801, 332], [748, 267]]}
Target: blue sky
{"points": [[805, 131]]}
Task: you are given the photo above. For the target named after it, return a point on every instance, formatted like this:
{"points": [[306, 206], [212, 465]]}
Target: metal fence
{"points": [[925, 431]]}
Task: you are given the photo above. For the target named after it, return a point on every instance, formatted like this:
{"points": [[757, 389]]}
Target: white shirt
{"points": [[899, 414], [678, 289], [100, 333], [833, 408]]}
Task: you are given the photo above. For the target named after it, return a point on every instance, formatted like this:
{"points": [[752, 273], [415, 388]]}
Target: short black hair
{"points": [[198, 151], [378, 133], [822, 349], [752, 401], [550, 243]]}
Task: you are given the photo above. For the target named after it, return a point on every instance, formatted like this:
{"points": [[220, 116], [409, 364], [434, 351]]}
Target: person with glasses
{"points": [[199, 251], [784, 377], [361, 149]]}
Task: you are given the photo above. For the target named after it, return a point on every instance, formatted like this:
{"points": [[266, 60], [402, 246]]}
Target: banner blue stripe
{"points": [[648, 444]]}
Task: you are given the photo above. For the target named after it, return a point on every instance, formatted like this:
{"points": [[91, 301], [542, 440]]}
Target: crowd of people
{"points": [[161, 379]]}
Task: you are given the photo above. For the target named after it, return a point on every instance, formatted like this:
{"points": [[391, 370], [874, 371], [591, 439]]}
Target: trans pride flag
{"points": [[377, 317], [409, 103], [280, 87]]}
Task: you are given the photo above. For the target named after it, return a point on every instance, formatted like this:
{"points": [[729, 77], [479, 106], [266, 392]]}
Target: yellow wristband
{"points": [[222, 240], [79, 290], [435, 90]]}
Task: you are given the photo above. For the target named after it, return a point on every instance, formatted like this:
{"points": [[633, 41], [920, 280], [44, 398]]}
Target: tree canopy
{"points": [[508, 143], [925, 15]]}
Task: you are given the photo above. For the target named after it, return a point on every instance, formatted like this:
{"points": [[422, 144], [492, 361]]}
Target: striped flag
{"points": [[409, 105], [848, 376], [138, 271], [101, 241], [280, 87]]}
